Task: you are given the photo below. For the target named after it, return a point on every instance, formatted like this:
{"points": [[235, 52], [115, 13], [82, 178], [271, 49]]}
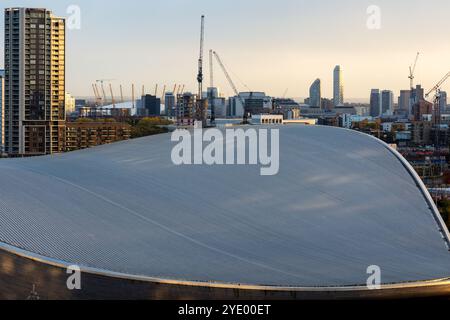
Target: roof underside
{"points": [[341, 202]]}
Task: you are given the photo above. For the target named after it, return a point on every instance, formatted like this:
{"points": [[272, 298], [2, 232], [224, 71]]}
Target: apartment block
{"points": [[34, 112], [82, 135]]}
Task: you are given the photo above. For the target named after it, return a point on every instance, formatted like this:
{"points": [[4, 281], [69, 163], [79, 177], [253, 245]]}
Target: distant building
{"points": [[417, 94], [261, 119], [82, 135], [375, 103], [387, 102], [34, 82], [150, 106], [404, 100], [69, 103], [327, 104], [255, 103], [422, 108], [287, 107], [315, 94], [267, 119], [443, 102], [80, 103], [338, 87], [217, 102], [169, 104], [185, 109]]}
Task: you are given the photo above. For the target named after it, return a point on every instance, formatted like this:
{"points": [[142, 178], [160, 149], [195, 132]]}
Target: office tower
{"points": [[217, 102], [443, 101], [169, 104], [387, 102], [2, 104], [338, 87], [315, 94], [34, 82], [150, 106], [375, 103], [403, 100]]}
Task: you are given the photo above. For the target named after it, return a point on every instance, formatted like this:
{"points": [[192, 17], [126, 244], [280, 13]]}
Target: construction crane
{"points": [[412, 71], [437, 114], [211, 90], [200, 113], [211, 69], [230, 81], [132, 96], [437, 87]]}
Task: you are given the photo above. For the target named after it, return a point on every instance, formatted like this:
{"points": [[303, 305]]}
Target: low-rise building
{"points": [[82, 135]]}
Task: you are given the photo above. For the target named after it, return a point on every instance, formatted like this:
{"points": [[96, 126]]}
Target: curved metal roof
{"points": [[342, 201]]}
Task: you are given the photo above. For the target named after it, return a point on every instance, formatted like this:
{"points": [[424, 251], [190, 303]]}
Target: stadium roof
{"points": [[342, 201]]}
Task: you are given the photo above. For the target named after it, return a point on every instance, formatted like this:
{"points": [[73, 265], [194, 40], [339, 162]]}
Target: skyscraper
{"points": [[34, 82], [387, 102], [338, 87], [315, 94], [375, 103], [443, 101], [404, 100], [169, 104]]}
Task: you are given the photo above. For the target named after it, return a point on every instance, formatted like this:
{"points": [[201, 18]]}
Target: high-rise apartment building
{"points": [[375, 103], [34, 82], [315, 94], [338, 87], [387, 102], [443, 101]]}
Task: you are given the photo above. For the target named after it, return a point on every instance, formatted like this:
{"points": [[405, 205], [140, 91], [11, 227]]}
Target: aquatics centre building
{"points": [[140, 227]]}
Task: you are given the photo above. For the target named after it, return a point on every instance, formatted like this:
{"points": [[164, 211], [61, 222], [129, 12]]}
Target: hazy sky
{"points": [[268, 45]]}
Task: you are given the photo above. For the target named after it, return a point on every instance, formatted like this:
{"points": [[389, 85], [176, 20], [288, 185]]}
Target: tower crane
{"points": [[200, 113], [211, 69], [412, 71], [230, 81], [211, 90], [437, 109], [437, 87]]}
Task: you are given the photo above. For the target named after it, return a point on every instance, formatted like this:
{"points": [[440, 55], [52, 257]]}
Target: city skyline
{"points": [[125, 46]]}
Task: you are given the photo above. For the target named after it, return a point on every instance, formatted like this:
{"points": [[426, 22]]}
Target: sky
{"points": [[277, 46]]}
